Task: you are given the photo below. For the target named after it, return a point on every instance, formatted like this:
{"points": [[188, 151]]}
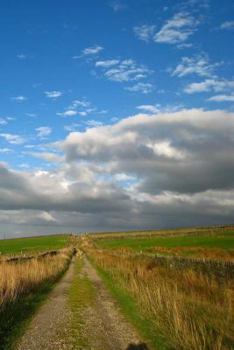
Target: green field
{"points": [[224, 240], [33, 244]]}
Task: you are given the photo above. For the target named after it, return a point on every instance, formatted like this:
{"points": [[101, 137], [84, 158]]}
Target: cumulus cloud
{"points": [[207, 85], [177, 29], [80, 107], [142, 172], [187, 159], [222, 98], [228, 25], [43, 131], [47, 156], [5, 150], [144, 88], [198, 65], [54, 94], [68, 113], [148, 108], [3, 121], [92, 50], [14, 139], [145, 32], [123, 71], [106, 63], [93, 123], [19, 98]]}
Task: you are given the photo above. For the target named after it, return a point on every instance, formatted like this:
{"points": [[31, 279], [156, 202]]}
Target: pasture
{"points": [[203, 243], [33, 244], [177, 281]]}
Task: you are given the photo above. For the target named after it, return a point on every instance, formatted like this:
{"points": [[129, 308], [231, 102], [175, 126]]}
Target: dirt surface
{"points": [[103, 327], [49, 326]]}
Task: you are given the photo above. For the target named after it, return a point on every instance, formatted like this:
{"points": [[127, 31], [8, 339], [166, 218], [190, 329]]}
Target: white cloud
{"points": [[43, 131], [216, 85], [3, 121], [5, 150], [144, 88], [222, 98], [162, 150], [93, 123], [69, 113], [72, 127], [124, 71], [124, 177], [80, 107], [47, 156], [148, 108], [165, 149], [45, 216], [13, 139], [227, 25], [54, 94], [198, 65], [79, 103], [145, 32], [19, 98], [177, 29], [142, 172], [92, 50], [106, 63]]}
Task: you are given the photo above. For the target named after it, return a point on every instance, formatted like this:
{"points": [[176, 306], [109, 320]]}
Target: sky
{"points": [[115, 115]]}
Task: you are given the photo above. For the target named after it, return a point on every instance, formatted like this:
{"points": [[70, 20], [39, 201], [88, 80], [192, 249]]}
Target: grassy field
{"points": [[33, 244], [188, 305], [215, 243], [223, 242], [174, 301]]}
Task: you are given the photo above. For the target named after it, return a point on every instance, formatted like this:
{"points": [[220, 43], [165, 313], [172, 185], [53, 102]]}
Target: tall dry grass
{"points": [[21, 277], [191, 310]]}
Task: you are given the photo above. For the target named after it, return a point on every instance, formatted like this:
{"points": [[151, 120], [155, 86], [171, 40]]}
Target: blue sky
{"points": [[78, 70]]}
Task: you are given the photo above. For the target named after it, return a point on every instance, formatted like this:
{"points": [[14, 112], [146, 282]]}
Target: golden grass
{"points": [[22, 277], [196, 252], [191, 310]]}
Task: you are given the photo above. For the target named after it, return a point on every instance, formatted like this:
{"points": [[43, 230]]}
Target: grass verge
{"points": [[130, 309], [16, 316], [23, 287], [187, 308]]}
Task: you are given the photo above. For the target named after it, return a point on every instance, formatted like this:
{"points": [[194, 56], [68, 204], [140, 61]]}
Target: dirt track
{"points": [[51, 322], [103, 325]]}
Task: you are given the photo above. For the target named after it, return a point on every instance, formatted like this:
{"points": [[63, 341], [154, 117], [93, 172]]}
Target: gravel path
{"points": [[49, 326], [103, 325]]}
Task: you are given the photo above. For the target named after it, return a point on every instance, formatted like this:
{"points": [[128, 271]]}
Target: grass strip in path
{"points": [[81, 295]]}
